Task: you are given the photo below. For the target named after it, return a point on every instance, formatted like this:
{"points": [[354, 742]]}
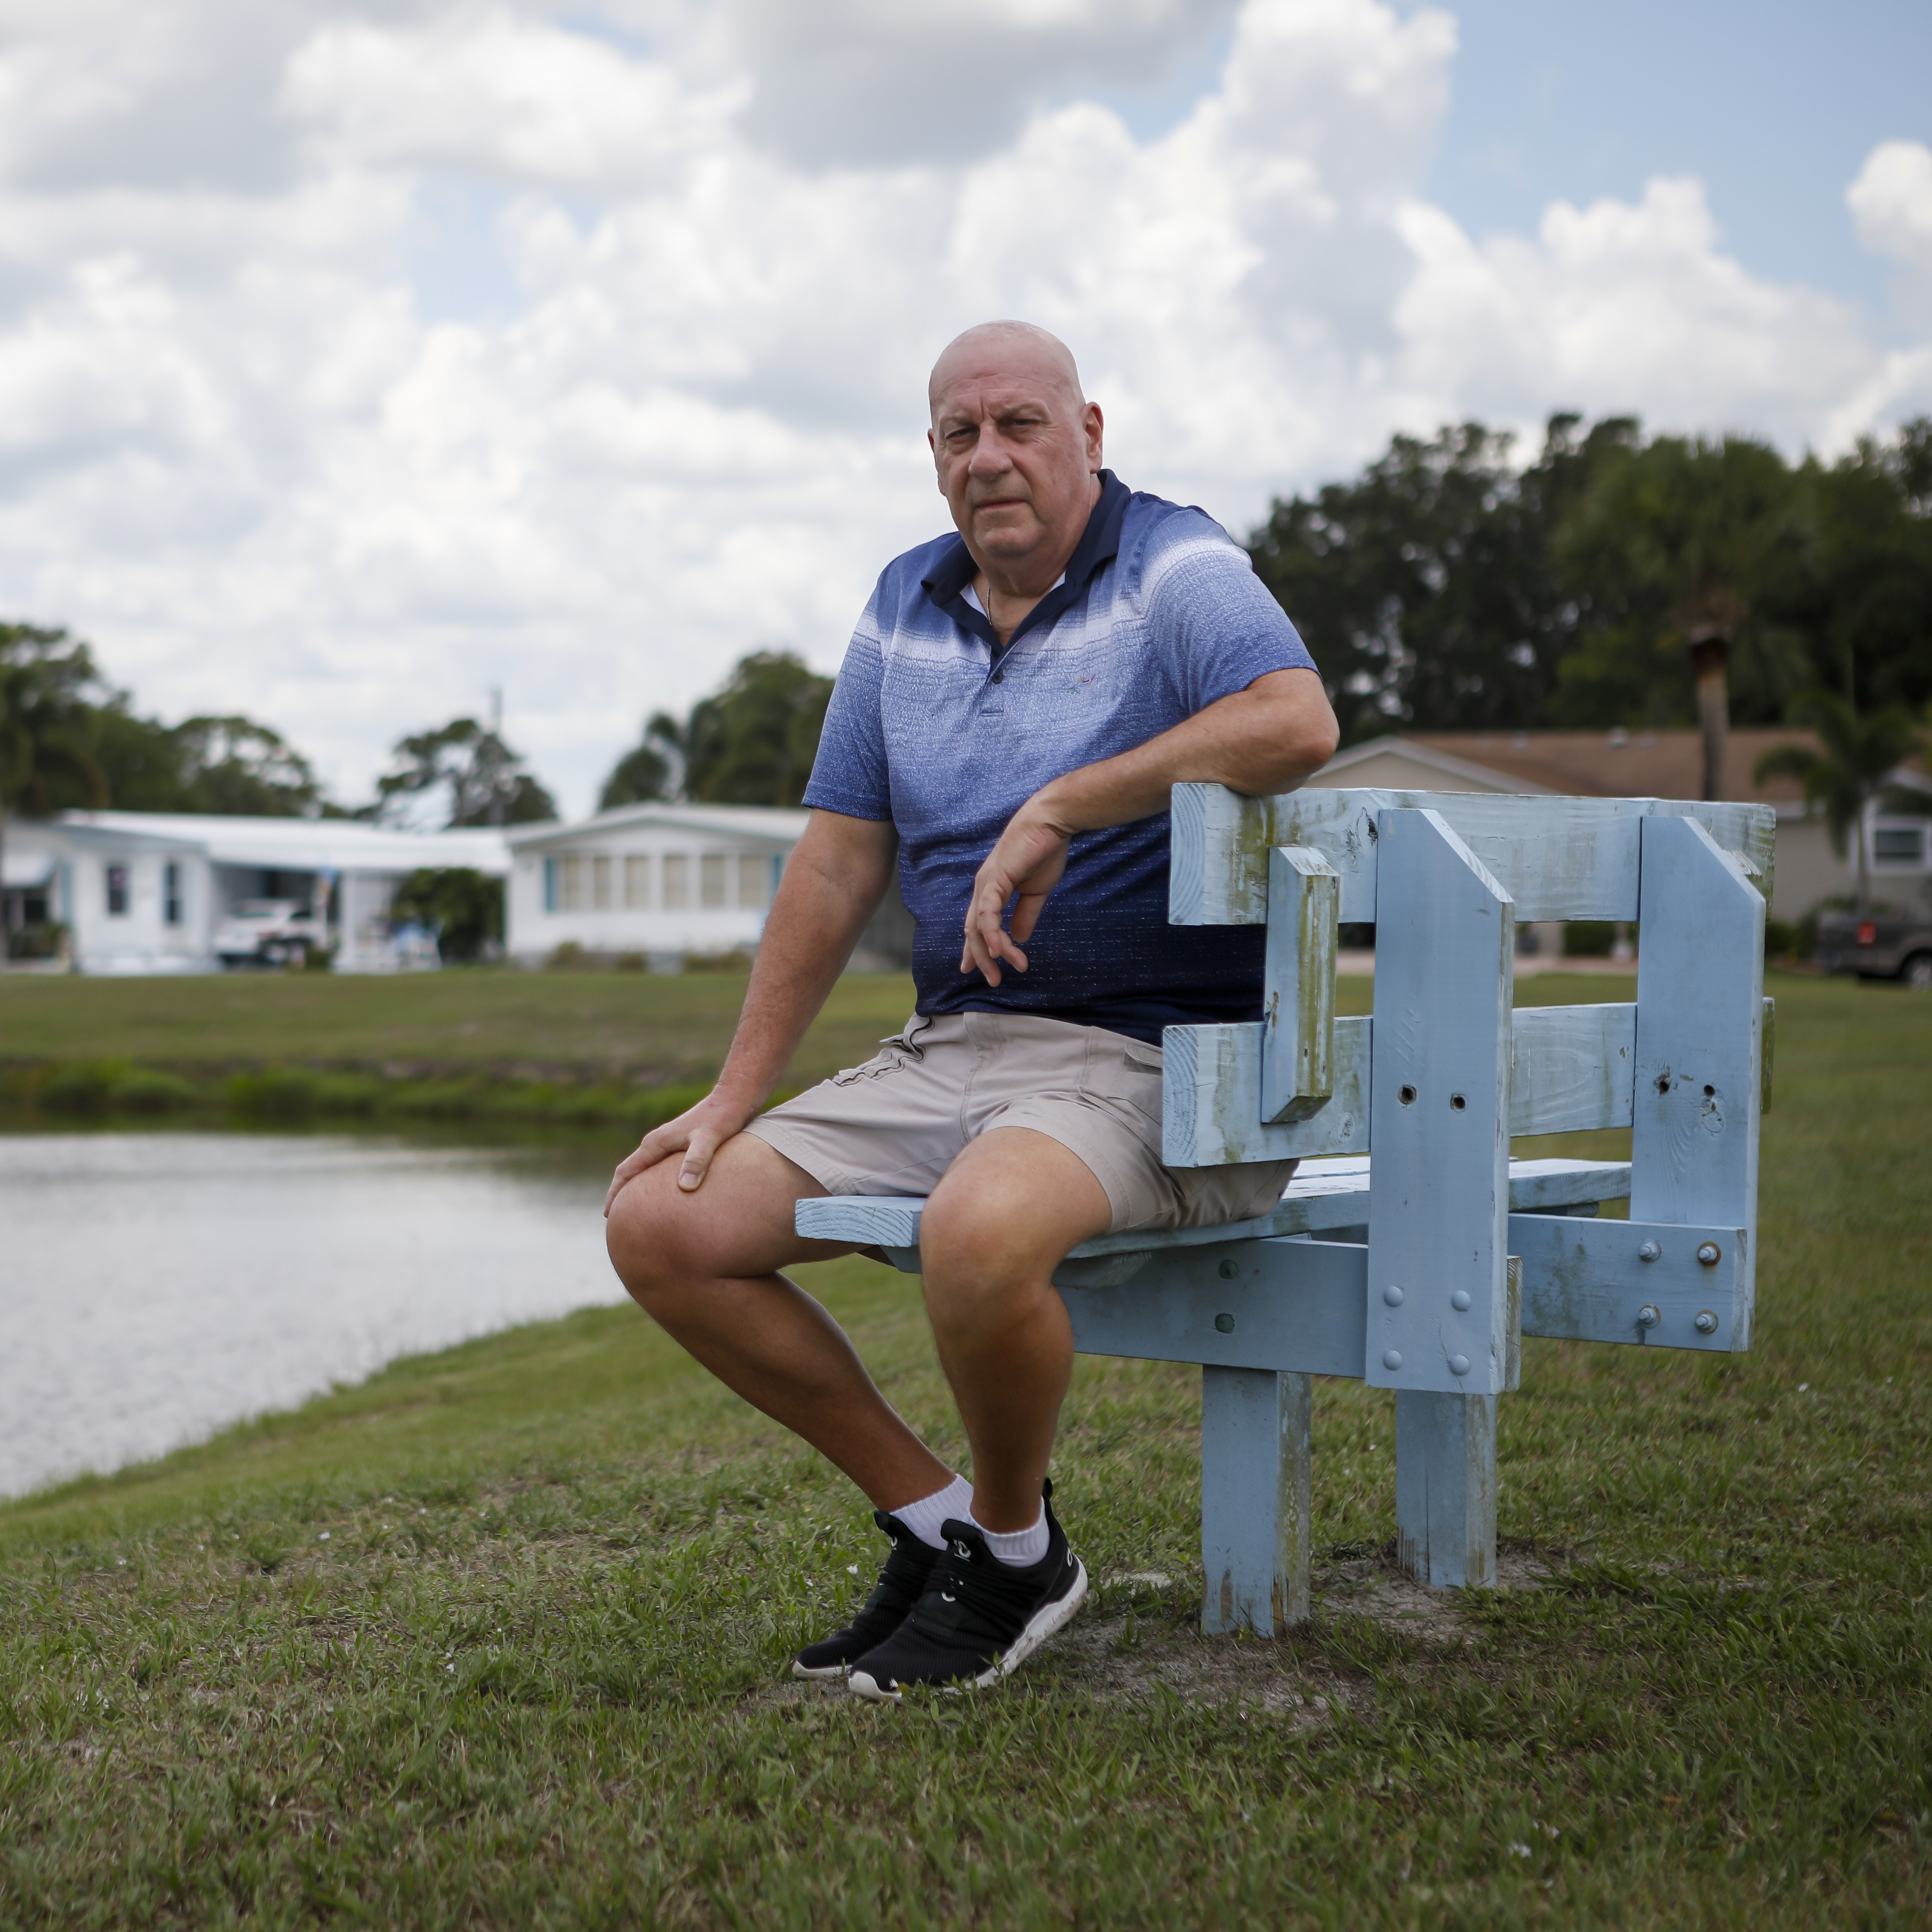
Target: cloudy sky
{"points": [[354, 360]]}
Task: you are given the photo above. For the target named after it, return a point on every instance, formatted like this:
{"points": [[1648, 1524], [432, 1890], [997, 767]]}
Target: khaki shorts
{"points": [[895, 1125]]}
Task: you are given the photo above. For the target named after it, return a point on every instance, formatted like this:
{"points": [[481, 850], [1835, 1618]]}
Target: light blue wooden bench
{"points": [[1417, 1264]]}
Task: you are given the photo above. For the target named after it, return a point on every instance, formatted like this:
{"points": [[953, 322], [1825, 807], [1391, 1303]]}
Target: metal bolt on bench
{"points": [[1419, 1267]]}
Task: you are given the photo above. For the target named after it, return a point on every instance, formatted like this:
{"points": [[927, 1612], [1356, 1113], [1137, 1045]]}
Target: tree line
{"points": [[1447, 589], [69, 741]]}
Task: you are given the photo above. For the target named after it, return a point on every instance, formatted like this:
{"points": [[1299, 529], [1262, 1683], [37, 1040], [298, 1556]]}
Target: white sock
{"points": [[924, 1517], [1021, 1548]]}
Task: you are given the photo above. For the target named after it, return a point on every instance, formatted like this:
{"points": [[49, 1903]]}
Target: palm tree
{"points": [[46, 723], [1858, 758], [1665, 544]]}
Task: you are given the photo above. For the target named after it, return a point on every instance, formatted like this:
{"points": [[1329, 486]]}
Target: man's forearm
{"points": [[823, 900], [1252, 741]]}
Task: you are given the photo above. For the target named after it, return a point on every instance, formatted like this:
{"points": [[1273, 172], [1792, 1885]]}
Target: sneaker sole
{"points": [[1045, 1621], [819, 1672]]}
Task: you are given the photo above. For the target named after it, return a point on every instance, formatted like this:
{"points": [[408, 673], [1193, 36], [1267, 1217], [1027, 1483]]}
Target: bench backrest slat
{"points": [[1583, 862]]}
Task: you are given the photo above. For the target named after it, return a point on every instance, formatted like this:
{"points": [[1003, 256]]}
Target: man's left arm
{"points": [[1267, 738]]}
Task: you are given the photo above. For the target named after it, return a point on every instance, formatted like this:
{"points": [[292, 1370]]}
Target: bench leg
{"points": [[1255, 1427], [1445, 1487]]}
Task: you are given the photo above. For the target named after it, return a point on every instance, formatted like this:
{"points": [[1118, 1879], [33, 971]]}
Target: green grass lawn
{"points": [[498, 1639], [582, 1025]]}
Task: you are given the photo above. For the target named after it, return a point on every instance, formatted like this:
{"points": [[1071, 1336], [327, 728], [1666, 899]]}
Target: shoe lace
{"points": [[976, 1600], [901, 1579]]}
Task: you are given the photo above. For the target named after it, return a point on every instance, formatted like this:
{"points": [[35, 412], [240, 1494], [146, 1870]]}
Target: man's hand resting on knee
{"points": [[697, 1133]]}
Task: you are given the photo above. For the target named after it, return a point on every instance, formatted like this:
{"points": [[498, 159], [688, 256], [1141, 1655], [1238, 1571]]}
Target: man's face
{"points": [[1016, 450]]}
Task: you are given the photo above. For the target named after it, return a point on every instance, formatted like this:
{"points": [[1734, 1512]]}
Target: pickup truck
{"points": [[268, 932], [1880, 945]]}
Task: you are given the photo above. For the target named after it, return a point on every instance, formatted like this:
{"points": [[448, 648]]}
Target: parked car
{"points": [[268, 932], [1878, 947]]}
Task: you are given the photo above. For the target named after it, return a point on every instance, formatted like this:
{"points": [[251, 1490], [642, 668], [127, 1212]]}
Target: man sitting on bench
{"points": [[1014, 705]]}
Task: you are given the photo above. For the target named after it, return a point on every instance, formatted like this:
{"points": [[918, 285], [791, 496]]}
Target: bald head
{"points": [[1007, 352], [1017, 447]]}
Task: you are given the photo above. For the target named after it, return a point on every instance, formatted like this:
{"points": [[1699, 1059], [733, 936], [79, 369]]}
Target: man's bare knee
{"points": [[665, 1241], [649, 1242], [1010, 1206], [967, 1242]]}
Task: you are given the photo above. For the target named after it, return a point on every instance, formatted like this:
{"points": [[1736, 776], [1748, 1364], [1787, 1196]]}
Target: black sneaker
{"points": [[979, 1619], [892, 1597]]}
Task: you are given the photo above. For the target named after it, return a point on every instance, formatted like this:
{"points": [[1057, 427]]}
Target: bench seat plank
{"points": [[1324, 1195]]}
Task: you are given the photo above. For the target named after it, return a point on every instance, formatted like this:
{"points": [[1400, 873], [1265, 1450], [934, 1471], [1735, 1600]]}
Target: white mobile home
{"points": [[142, 892], [662, 880]]}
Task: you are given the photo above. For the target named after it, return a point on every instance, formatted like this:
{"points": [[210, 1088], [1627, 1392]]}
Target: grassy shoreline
{"points": [[497, 1637], [478, 1047]]}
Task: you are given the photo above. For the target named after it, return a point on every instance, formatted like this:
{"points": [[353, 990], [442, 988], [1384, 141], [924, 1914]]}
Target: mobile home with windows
{"points": [[660, 881], [141, 892]]}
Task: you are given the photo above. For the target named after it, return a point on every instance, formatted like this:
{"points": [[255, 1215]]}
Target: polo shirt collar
{"points": [[1100, 544]]}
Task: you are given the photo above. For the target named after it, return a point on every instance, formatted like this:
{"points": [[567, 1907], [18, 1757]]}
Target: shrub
{"points": [[463, 907], [276, 1093], [348, 1093], [567, 956], [84, 1086], [39, 941], [145, 1089], [586, 1106], [436, 1099]]}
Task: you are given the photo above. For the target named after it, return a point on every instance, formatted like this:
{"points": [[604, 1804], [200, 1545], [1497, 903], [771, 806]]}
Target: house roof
{"points": [[1594, 764], [295, 844], [774, 823]]}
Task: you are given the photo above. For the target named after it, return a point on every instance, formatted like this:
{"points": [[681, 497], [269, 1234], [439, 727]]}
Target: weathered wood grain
{"points": [[1639, 1282], [1699, 1090], [1211, 1099], [1217, 871], [1571, 1068], [1295, 1303], [1324, 1195], [1286, 1304], [1298, 985], [1256, 1499], [1557, 858], [1439, 1087], [1445, 1488]]}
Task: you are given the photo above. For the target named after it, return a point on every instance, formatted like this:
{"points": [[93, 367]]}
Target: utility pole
{"points": [[497, 761]]}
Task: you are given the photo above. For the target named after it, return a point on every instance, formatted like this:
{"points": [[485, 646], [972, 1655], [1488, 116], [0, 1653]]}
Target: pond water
{"points": [[156, 1286]]}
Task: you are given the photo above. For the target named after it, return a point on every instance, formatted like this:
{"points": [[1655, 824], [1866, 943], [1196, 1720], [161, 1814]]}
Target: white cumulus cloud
{"points": [[258, 443]]}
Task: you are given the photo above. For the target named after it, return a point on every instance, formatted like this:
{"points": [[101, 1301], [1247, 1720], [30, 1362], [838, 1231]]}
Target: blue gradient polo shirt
{"points": [[932, 726]]}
